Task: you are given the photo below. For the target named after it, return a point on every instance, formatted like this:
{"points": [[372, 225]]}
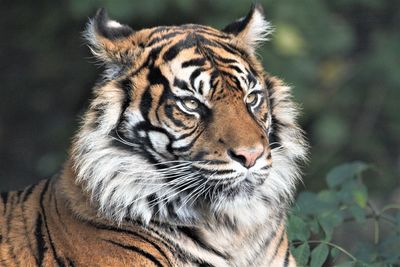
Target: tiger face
{"points": [[186, 125]]}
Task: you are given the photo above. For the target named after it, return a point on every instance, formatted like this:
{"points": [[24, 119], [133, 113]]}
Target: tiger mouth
{"points": [[229, 188]]}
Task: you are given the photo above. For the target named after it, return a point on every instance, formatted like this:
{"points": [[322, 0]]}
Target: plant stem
{"points": [[389, 207], [330, 244]]}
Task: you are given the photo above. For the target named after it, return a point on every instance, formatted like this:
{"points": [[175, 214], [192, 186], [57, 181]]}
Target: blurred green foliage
{"points": [[341, 58], [316, 216]]}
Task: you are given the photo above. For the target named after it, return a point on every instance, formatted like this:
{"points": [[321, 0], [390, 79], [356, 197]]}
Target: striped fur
{"points": [[156, 176]]}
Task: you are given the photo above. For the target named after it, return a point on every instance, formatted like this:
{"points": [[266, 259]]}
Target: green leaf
{"points": [[345, 194], [301, 254], [319, 255], [360, 196], [366, 252], [314, 226], [398, 218], [329, 221], [389, 249], [328, 197], [358, 213], [335, 252], [309, 204], [343, 172], [297, 229]]}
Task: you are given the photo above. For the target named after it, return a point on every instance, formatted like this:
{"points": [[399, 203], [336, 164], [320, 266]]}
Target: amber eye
{"points": [[190, 104], [252, 98]]}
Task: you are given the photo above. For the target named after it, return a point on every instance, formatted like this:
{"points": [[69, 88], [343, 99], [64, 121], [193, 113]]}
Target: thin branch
{"points": [[344, 251]]}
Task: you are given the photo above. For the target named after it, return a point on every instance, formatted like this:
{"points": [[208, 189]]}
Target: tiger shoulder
{"points": [[188, 155]]}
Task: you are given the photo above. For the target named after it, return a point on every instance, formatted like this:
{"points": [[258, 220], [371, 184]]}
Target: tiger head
{"points": [[186, 126]]}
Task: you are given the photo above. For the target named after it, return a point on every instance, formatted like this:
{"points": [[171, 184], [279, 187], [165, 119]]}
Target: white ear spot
{"points": [[113, 24]]}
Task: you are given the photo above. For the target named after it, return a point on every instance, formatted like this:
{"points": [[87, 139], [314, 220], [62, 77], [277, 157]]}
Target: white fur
{"points": [[256, 32], [113, 24]]}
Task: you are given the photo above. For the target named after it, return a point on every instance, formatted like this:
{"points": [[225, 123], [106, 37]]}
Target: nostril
{"points": [[246, 156], [239, 158]]}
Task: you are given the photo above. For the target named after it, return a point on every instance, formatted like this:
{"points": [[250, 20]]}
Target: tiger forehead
{"points": [[200, 64], [165, 32], [210, 75]]}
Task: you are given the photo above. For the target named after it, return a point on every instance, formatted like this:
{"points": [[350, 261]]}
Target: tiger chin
{"points": [[188, 155]]}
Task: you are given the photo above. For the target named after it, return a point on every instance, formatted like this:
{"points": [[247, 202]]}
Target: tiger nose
{"points": [[247, 156]]}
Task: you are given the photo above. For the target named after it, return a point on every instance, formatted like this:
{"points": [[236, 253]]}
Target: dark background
{"points": [[341, 57]]}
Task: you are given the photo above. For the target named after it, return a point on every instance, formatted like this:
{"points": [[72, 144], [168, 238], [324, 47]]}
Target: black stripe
{"points": [[251, 78], [71, 262], [190, 145], [174, 50], [45, 190], [194, 75], [236, 68], [225, 60], [152, 200], [4, 197], [18, 195], [40, 243], [137, 250], [28, 192], [286, 261], [191, 132], [213, 34], [198, 62], [145, 103], [169, 111], [194, 235], [231, 49], [151, 58], [13, 199], [217, 162], [273, 137], [277, 247], [213, 76], [200, 89], [126, 86], [160, 29], [213, 171], [181, 84], [164, 37], [135, 234], [233, 78], [156, 77]]}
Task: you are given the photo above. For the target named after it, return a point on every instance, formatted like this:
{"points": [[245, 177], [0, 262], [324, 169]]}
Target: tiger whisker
{"points": [[169, 197], [187, 179]]}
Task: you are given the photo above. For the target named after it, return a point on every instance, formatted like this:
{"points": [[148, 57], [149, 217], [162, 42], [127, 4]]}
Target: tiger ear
{"points": [[250, 31], [112, 43]]}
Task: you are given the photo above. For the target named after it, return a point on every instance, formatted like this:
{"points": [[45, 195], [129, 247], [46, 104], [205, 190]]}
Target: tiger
{"points": [[188, 155]]}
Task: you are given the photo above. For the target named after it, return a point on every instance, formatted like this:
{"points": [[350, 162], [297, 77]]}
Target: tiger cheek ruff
{"points": [[188, 155]]}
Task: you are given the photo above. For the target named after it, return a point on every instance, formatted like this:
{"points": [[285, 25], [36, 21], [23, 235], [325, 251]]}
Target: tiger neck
{"points": [[223, 244]]}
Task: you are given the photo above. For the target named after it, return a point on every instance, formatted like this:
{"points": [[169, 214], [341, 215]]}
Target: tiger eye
{"points": [[251, 98], [191, 104]]}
